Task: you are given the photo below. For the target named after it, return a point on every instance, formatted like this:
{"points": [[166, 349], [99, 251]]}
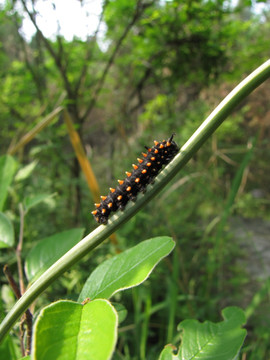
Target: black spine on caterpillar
{"points": [[136, 181]]}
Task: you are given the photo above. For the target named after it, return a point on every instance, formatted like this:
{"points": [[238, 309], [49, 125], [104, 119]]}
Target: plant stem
{"points": [[19, 249]]}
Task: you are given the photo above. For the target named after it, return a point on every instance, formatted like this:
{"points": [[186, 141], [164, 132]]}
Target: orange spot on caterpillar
{"points": [[119, 197], [128, 188], [128, 173], [97, 205], [103, 198], [140, 160], [112, 190], [121, 182], [135, 166]]}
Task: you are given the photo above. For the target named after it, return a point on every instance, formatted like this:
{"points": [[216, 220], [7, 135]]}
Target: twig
{"points": [[89, 53], [12, 282], [55, 56], [140, 8], [26, 318], [19, 250], [33, 72]]}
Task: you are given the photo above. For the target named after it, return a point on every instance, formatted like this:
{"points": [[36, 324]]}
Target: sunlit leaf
{"points": [[67, 330], [26, 171], [208, 340], [128, 269]]}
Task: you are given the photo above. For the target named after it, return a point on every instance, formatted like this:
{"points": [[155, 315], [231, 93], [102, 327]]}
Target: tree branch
{"points": [[27, 60], [90, 50], [140, 8], [55, 56]]}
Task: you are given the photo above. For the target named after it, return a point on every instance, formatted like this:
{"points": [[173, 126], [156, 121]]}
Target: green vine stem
{"points": [[93, 239]]}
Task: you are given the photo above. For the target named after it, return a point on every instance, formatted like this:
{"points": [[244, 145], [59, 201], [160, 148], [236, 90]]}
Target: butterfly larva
{"points": [[144, 173]]}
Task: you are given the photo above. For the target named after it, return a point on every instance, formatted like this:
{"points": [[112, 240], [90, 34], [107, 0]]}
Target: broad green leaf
{"points": [[49, 250], [6, 232], [26, 171], [67, 330], [34, 200], [7, 170], [127, 269], [203, 341]]}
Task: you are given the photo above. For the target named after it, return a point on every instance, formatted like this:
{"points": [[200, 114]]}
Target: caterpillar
{"points": [[136, 181]]}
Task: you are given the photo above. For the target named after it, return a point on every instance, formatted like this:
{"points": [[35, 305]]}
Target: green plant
{"points": [[216, 335]]}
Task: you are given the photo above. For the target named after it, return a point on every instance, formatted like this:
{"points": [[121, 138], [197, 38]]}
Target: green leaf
{"points": [[49, 250], [34, 200], [167, 354], [8, 299], [26, 171], [8, 349], [69, 331], [7, 170], [203, 341], [127, 269], [6, 232]]}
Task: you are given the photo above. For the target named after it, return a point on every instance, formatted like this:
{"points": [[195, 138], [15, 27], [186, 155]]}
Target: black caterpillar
{"points": [[143, 174]]}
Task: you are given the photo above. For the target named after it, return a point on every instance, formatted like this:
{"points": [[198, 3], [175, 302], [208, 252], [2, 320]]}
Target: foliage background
{"points": [[165, 67]]}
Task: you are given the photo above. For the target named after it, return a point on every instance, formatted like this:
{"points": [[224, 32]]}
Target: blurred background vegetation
{"points": [[157, 67]]}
